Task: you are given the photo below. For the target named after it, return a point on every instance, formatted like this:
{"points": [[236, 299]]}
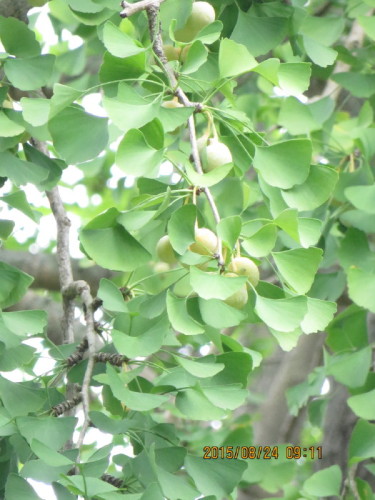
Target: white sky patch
{"points": [[123, 450], [39, 199], [92, 104], [216, 424], [205, 349], [44, 26], [71, 175], [129, 181], [46, 231], [74, 41], [44, 491], [115, 144], [325, 387], [279, 92], [80, 193], [116, 175], [166, 168], [45, 363], [96, 199], [17, 375], [26, 228], [175, 178]]}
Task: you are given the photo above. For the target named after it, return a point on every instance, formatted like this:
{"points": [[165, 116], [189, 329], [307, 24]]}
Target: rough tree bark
{"points": [[15, 8], [43, 268]]}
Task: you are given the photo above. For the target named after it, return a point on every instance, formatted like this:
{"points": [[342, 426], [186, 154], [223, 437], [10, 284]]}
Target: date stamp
{"points": [[262, 452]]}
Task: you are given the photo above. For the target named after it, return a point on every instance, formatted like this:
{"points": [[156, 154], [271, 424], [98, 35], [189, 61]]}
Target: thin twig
{"points": [[152, 9], [129, 9], [63, 255]]}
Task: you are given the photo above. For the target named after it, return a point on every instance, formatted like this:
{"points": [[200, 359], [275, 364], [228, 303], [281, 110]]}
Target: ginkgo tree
{"points": [[226, 276]]}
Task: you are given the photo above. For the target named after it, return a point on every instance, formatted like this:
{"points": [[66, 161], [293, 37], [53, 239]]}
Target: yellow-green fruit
{"points": [[205, 242], [184, 53], [127, 27], [172, 104], [201, 15], [217, 154], [239, 298], [161, 267], [172, 53], [165, 250], [202, 142], [245, 267], [7, 104]]}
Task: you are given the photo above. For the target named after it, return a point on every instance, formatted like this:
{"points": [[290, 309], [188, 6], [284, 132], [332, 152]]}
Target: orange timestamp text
{"points": [[262, 452]]}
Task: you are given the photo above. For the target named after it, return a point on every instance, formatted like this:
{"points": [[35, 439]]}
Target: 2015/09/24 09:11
{"points": [[261, 452]]}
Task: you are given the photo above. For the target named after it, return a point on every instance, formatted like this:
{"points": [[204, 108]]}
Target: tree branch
{"points": [[43, 268], [152, 9], [129, 9], [15, 8], [32, 300], [82, 288], [70, 290]]}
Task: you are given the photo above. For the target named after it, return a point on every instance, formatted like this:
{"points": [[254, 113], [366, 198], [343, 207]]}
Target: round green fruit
{"points": [[202, 143], [217, 154], [245, 267], [172, 53], [184, 53], [205, 242], [239, 298], [161, 267], [201, 15], [165, 250]]}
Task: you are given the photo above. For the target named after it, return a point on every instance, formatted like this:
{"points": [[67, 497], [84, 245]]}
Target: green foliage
{"points": [[298, 200]]}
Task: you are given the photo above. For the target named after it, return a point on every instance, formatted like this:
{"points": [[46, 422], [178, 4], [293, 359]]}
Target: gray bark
{"points": [[32, 301], [15, 8], [43, 268], [275, 423]]}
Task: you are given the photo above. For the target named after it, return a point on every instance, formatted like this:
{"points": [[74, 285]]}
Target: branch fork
{"points": [[129, 9]]}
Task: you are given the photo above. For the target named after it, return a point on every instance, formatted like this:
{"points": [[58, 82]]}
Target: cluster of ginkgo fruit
{"points": [[206, 243], [213, 154]]}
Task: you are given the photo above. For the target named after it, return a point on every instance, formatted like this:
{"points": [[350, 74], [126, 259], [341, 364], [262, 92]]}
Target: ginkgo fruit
{"points": [[202, 142], [184, 53], [173, 103], [161, 267], [205, 241], [202, 14], [172, 53], [245, 267], [165, 250], [237, 299], [216, 155]]}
